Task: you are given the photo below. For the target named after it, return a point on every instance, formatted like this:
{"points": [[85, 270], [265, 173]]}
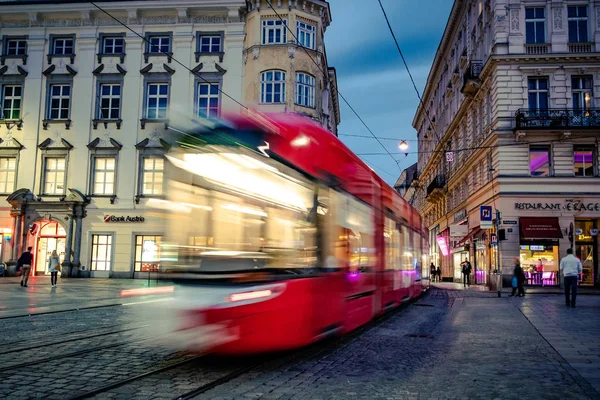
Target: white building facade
{"points": [[511, 120], [84, 112]]}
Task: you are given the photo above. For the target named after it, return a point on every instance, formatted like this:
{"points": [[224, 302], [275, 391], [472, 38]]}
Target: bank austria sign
{"points": [[128, 218], [566, 206]]}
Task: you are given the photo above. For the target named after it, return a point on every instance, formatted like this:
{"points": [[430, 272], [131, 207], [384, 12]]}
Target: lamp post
{"points": [[403, 145]]}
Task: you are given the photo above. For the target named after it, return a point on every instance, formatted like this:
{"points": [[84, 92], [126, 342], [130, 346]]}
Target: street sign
{"points": [[450, 156], [485, 217], [493, 239]]}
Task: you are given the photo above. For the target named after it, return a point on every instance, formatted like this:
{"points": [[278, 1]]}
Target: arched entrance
{"points": [[47, 235]]}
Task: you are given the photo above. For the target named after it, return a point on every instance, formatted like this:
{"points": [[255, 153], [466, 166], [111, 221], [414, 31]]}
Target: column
{"points": [[17, 237], [67, 265], [76, 256]]}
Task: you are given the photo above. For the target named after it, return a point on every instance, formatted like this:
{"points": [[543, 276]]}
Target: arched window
{"points": [[305, 89], [272, 87]]}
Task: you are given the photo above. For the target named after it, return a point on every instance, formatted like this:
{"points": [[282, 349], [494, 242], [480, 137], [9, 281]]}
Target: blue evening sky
{"points": [[371, 75]]}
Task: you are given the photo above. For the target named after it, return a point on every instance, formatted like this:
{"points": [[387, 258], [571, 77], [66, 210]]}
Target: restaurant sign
{"points": [[566, 206]]}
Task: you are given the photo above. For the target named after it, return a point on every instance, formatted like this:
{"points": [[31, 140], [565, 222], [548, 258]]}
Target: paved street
{"points": [[450, 344]]}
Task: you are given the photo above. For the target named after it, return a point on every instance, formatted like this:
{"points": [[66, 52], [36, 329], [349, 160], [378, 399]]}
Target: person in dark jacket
{"points": [[25, 261], [519, 275], [432, 273]]}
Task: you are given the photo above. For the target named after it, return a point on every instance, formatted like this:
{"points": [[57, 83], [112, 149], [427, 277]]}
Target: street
{"points": [[449, 344]]}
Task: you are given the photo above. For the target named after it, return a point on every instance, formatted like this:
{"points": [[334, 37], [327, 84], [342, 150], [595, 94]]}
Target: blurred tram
{"points": [[278, 236]]}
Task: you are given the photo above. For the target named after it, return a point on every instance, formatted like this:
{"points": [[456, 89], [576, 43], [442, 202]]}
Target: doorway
{"points": [[49, 236]]}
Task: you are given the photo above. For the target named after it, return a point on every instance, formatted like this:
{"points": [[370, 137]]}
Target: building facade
{"points": [[510, 121]]}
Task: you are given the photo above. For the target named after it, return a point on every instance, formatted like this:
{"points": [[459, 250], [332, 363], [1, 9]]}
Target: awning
{"points": [[475, 233], [540, 228]]}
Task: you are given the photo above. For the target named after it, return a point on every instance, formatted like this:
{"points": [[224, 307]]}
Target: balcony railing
{"points": [[471, 81], [436, 187], [533, 118], [580, 47], [537, 48]]}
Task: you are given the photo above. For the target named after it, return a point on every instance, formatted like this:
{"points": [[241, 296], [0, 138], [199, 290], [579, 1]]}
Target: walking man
{"points": [[466, 270], [571, 267], [25, 261]]}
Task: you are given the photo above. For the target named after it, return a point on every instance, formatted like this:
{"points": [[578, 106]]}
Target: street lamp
{"points": [[403, 145]]}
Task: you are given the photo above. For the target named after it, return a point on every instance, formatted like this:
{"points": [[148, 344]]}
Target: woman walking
{"points": [[54, 267]]}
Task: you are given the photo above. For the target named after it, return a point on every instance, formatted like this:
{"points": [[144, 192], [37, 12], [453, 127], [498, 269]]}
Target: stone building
{"points": [[510, 121]]}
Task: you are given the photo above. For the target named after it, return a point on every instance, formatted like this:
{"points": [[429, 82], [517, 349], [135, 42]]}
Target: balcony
{"points": [[580, 47], [555, 118], [537, 48], [435, 190], [471, 81]]}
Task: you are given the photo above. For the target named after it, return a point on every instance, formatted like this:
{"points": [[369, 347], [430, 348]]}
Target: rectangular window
{"points": [[583, 159], [104, 176], [152, 176], [581, 87], [272, 87], [208, 100], [210, 44], [305, 90], [8, 170], [578, 24], [159, 44], [539, 160], [16, 47], [538, 93], [157, 100], [60, 101], [535, 25], [11, 102], [110, 101], [113, 45], [54, 175], [274, 31], [306, 35], [147, 253], [101, 252], [62, 46]]}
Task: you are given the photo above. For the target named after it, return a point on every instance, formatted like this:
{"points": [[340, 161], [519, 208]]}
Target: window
{"points": [[62, 46], [104, 176], [54, 175], [272, 87], [539, 160], [306, 35], [274, 31], [15, 47], [60, 101], [210, 44], [578, 29], [159, 44], [305, 90], [581, 87], [8, 168], [583, 159], [538, 93], [110, 101], [11, 102], [535, 25], [157, 100], [147, 253], [101, 252], [208, 100], [152, 176], [113, 45]]}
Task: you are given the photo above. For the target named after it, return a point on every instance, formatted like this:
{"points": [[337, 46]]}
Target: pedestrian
{"points": [[432, 273], [466, 270], [25, 262], [438, 272], [54, 267], [518, 280], [571, 267]]}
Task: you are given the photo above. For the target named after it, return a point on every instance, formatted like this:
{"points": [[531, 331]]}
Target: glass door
{"points": [[44, 250]]}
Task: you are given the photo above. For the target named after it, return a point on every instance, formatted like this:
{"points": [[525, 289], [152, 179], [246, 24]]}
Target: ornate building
{"points": [[510, 121]]}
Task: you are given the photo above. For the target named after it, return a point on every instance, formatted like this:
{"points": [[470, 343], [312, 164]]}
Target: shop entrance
{"points": [[586, 247], [49, 236]]}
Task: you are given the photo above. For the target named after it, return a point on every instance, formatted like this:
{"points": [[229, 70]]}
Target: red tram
{"points": [[278, 235]]}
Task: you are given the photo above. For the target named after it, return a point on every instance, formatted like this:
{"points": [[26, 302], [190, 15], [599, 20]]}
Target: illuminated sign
{"points": [[441, 241], [567, 206], [114, 218]]}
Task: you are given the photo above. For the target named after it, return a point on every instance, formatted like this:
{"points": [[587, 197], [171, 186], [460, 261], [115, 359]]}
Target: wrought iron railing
{"points": [[437, 183], [557, 118], [471, 78]]}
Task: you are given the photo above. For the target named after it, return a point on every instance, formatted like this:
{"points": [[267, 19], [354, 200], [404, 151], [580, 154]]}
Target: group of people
{"points": [[25, 262], [435, 274]]}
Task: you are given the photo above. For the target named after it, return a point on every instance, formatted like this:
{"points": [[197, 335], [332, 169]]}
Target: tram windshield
{"points": [[234, 210]]}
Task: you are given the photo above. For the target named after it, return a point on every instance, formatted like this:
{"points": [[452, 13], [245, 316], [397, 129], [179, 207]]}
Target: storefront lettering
{"points": [[114, 218], [567, 206]]}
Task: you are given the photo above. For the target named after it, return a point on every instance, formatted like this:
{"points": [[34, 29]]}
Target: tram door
{"points": [[50, 237]]}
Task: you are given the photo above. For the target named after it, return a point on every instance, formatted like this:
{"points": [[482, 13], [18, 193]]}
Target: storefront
{"points": [[539, 249], [481, 258], [586, 249]]}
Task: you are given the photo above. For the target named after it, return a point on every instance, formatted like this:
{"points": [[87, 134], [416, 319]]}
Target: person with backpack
{"points": [[25, 262], [518, 280]]}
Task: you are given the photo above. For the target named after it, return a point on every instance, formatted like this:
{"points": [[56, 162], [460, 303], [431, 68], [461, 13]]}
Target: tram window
{"points": [[407, 250], [392, 245], [416, 249]]}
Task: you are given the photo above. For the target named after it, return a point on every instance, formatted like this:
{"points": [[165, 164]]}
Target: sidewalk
{"points": [[506, 291]]}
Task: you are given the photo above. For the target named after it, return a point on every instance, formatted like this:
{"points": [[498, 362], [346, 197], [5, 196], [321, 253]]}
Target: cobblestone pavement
{"points": [[451, 344]]}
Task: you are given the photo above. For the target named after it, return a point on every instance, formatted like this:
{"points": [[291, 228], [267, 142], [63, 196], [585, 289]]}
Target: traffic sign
{"points": [[493, 239], [450, 156], [485, 213]]}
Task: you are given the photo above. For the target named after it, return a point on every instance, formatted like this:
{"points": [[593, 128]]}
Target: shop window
{"points": [[583, 160], [147, 253], [540, 261], [539, 160], [101, 252], [584, 250]]}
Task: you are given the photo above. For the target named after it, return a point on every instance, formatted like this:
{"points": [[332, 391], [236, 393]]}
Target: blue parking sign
{"points": [[485, 213]]}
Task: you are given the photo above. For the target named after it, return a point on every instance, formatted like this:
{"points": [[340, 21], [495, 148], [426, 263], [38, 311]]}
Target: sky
{"points": [[372, 77]]}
